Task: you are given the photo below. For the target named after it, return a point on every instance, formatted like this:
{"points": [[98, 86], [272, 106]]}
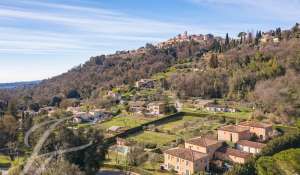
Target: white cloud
{"points": [[81, 28]]}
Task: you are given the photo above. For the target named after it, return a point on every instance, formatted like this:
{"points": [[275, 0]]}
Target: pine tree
{"points": [[227, 40]]}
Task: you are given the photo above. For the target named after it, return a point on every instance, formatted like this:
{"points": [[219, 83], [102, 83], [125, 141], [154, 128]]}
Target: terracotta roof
{"points": [[251, 144], [202, 141], [255, 124], [186, 154], [233, 128], [234, 152]]}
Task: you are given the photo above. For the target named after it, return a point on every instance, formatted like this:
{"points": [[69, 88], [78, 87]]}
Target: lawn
{"points": [[191, 126], [153, 137], [154, 168], [4, 160], [239, 115], [124, 121]]}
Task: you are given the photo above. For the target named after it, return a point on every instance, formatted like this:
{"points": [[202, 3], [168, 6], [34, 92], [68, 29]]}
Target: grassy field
{"points": [[238, 115], [154, 168], [124, 121], [153, 137], [190, 126], [4, 160]]}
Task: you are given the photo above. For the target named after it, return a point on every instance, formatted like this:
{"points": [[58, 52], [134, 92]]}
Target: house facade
{"points": [[185, 161], [156, 108], [233, 133], [137, 106], [262, 130], [249, 146], [219, 108], [203, 145], [145, 83]]}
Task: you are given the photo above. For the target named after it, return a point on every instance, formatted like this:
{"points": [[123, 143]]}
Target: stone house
{"points": [[233, 133], [156, 108], [137, 106], [262, 130], [203, 145], [201, 103], [145, 83], [219, 108], [185, 161], [249, 146]]}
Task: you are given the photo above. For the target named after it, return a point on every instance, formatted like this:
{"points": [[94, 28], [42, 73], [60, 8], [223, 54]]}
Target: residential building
{"points": [[145, 83], [185, 161], [201, 103], [262, 130], [114, 95], [249, 146], [233, 133], [156, 108], [232, 155], [219, 108], [137, 106], [203, 145]]}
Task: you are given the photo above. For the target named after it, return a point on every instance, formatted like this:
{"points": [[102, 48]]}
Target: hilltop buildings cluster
{"points": [[185, 38]]}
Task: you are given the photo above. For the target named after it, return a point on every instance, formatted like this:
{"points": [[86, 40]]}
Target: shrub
{"points": [[150, 145]]}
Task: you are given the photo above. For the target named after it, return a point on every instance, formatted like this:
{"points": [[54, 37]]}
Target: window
{"points": [[177, 160], [177, 167], [187, 163]]}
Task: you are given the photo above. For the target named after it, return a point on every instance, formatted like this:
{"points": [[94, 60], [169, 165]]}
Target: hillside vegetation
{"points": [[244, 69], [286, 163]]}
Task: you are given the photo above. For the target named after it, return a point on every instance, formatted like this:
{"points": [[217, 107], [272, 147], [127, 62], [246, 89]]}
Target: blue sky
{"points": [[43, 38]]}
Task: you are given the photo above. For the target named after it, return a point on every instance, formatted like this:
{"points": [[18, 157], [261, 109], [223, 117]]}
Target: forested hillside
{"points": [[266, 73]]}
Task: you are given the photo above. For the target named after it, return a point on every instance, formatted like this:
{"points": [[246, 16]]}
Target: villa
{"points": [[185, 161], [233, 133], [262, 130], [137, 106], [203, 145], [219, 108], [156, 108]]}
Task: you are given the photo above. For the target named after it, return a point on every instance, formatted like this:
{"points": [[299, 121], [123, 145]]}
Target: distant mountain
{"points": [[16, 85]]}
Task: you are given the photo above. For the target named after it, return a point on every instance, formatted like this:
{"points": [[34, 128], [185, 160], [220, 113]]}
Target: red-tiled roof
{"points": [[202, 141], [234, 128], [255, 124], [234, 152], [251, 144], [186, 154]]}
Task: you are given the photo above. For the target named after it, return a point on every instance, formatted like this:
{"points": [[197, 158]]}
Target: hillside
{"points": [[286, 162], [248, 68]]}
